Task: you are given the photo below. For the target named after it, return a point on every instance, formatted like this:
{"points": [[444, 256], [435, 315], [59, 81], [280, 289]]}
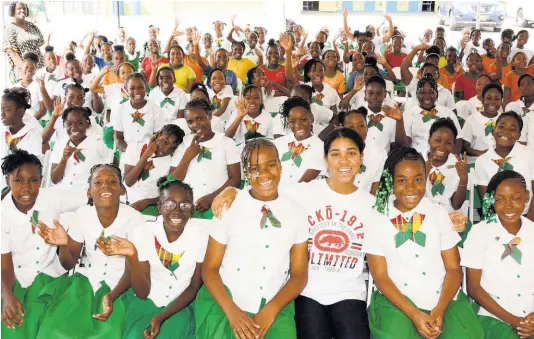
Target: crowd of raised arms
{"points": [[251, 184]]}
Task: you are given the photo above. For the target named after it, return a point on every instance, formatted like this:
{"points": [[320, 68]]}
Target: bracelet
{"points": [[459, 185]]}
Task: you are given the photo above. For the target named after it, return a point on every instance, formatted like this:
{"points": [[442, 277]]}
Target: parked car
{"points": [[464, 14], [521, 11]]}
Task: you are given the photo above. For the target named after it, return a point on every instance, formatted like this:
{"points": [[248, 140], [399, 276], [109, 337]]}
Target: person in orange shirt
{"points": [[510, 81], [489, 58], [118, 59], [191, 60], [505, 67], [452, 69], [333, 76]]}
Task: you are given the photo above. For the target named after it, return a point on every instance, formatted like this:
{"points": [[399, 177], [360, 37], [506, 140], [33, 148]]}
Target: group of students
{"points": [[152, 198]]}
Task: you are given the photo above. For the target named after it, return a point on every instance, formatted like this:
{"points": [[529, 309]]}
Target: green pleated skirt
{"points": [[33, 309], [496, 329], [139, 314], [71, 304], [386, 321]]}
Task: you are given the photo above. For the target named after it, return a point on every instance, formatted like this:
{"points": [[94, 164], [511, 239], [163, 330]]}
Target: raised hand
{"points": [[58, 107], [458, 66], [116, 246], [345, 12], [380, 59], [196, 37], [240, 104], [461, 168], [458, 220], [359, 83], [153, 144], [393, 112], [387, 17], [286, 41], [53, 236]]}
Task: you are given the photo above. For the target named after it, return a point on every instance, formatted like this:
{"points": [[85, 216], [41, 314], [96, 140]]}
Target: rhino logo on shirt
{"points": [[331, 241]]}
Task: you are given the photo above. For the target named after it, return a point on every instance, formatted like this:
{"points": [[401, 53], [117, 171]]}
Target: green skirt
{"points": [[71, 304], [477, 201], [208, 214], [386, 321], [496, 329], [33, 309], [107, 136], [139, 314], [211, 322]]}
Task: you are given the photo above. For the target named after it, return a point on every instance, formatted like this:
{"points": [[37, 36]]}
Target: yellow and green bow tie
{"points": [[429, 115], [34, 220], [409, 229], [167, 101], [124, 95], [12, 142], [138, 117], [268, 215], [170, 261], [205, 153], [511, 250], [215, 103], [294, 153], [504, 164], [436, 179], [490, 125]]}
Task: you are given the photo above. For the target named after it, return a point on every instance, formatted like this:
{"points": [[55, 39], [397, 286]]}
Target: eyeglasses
{"points": [[170, 205]]}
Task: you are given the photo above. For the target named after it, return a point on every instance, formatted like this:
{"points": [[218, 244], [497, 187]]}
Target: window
{"points": [[308, 6], [428, 6]]}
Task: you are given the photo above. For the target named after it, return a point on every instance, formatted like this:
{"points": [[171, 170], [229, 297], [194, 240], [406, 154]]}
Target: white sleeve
{"points": [[467, 132], [6, 238], [35, 142], [450, 101], [373, 237], [109, 91], [323, 115], [335, 97], [178, 155], [278, 125], [159, 119], [381, 161], [130, 157], [57, 153], [231, 151], [75, 231], [454, 119], [139, 238], [219, 230], [69, 200], [117, 123], [317, 159], [227, 92], [233, 117], [202, 238], [269, 133], [408, 120], [481, 176], [183, 100], [531, 167], [449, 238], [474, 247], [104, 152]]}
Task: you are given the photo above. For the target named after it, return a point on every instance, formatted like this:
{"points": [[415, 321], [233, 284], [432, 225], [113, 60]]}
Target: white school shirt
{"points": [[297, 157], [218, 123], [30, 140], [180, 122], [145, 189], [115, 95], [477, 135], [380, 135], [190, 248], [61, 133], [256, 262], [470, 48], [359, 100], [530, 133], [59, 90], [446, 175], [525, 113], [77, 173], [509, 283], [204, 175], [35, 95], [328, 97], [321, 117], [31, 255], [337, 226], [371, 168], [419, 130], [417, 271], [445, 97], [98, 266], [170, 110], [50, 79], [474, 106], [250, 54], [221, 42], [263, 124], [134, 132]]}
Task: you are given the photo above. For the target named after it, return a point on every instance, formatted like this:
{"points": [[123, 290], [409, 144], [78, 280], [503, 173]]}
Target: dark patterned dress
{"points": [[22, 41]]}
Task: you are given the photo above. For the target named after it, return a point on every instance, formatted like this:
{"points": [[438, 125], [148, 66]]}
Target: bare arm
{"points": [[348, 33], [406, 75], [17, 59], [119, 141], [309, 175], [187, 296], [389, 34]]}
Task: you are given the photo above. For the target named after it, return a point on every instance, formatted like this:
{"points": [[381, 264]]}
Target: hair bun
{"points": [[49, 49], [30, 56], [369, 60], [70, 56], [271, 43]]}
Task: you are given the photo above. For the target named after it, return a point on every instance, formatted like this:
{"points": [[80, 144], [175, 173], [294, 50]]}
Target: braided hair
{"points": [[17, 159], [249, 88], [427, 79], [200, 87], [488, 205], [31, 57], [342, 116], [250, 146], [199, 104], [371, 62], [76, 85], [385, 188], [289, 104], [176, 131], [19, 95], [250, 75]]}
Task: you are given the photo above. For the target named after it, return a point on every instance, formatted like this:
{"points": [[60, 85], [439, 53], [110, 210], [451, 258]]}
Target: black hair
{"points": [[365, 33], [105, 42], [135, 76], [250, 75], [272, 44], [472, 54], [71, 58], [98, 166], [240, 43], [164, 184], [337, 68], [385, 188], [427, 79], [526, 75], [484, 75], [308, 67], [375, 79], [19, 95], [440, 29], [17, 159], [341, 116], [431, 51], [172, 129], [86, 112], [249, 88], [199, 103], [253, 135], [429, 64], [166, 68], [32, 57], [452, 49], [513, 115], [197, 86], [118, 49], [514, 38], [208, 79], [352, 56], [489, 87], [487, 41], [498, 179], [306, 88], [130, 39], [291, 103], [507, 32], [49, 49], [371, 62], [13, 5], [76, 85], [320, 44], [444, 123], [175, 46], [473, 32], [346, 133], [250, 146], [126, 63]]}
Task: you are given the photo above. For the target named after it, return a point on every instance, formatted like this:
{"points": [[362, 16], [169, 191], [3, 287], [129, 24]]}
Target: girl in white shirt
{"points": [[28, 263], [51, 73], [169, 97], [255, 264], [498, 254], [206, 160], [29, 67], [324, 95], [94, 292], [145, 163], [72, 161], [473, 105], [414, 260], [508, 154], [220, 96], [525, 106]]}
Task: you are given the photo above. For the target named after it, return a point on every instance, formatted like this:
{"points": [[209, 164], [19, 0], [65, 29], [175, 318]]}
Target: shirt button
{"points": [[170, 287], [20, 266], [518, 276], [405, 284], [261, 287], [417, 255], [238, 269], [37, 262], [89, 265], [263, 267], [518, 294], [437, 292], [104, 273], [266, 246], [424, 273], [105, 264], [38, 248]]}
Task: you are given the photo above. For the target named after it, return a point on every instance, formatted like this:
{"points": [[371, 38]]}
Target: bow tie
{"points": [[102, 238], [138, 117], [205, 153], [267, 214], [429, 115], [490, 125], [511, 250], [34, 220], [409, 229], [526, 111], [166, 101], [252, 127], [13, 142], [375, 120], [436, 179], [78, 155], [504, 164], [169, 260], [318, 99], [294, 153]]}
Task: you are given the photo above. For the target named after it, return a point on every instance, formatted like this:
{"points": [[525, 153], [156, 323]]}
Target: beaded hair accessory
{"points": [[487, 213], [385, 189]]}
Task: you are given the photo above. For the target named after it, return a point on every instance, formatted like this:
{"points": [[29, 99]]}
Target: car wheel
{"points": [[520, 19], [497, 29]]}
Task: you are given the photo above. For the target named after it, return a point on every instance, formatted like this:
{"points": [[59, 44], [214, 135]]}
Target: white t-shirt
{"points": [[152, 120], [416, 270], [115, 95], [35, 96], [50, 79], [256, 262], [470, 48], [525, 113], [170, 104], [169, 278], [509, 283], [263, 124], [209, 170], [359, 100], [328, 97]]}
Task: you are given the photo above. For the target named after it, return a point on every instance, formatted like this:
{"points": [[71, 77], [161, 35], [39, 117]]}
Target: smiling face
{"points": [[136, 90], [259, 77], [118, 58], [175, 196], [217, 81], [504, 51], [409, 183], [330, 59], [153, 46], [253, 101], [368, 72], [124, 71], [519, 60], [166, 79], [510, 201], [506, 132], [358, 62], [167, 143], [28, 71], [481, 83], [357, 123], [20, 11], [316, 74], [452, 57], [153, 32], [87, 64], [343, 160], [11, 115], [74, 97], [273, 55], [475, 37], [218, 27], [492, 101], [375, 94], [488, 45], [522, 39], [474, 63], [74, 70], [441, 143], [264, 172], [76, 126], [105, 51], [397, 44], [526, 86], [237, 51], [221, 59], [24, 183], [130, 46], [50, 61], [427, 97], [252, 40], [300, 122], [176, 58], [199, 122], [321, 37], [315, 50], [105, 187]]}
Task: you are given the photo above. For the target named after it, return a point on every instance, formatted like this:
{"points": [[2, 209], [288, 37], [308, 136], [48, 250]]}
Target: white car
{"points": [[521, 11]]}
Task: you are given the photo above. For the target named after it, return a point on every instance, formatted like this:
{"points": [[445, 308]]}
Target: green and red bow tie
{"points": [[78, 155], [318, 99], [512, 251], [215, 103], [375, 120], [12, 142], [429, 115], [138, 117], [124, 95], [268, 215], [409, 229], [252, 127], [526, 111], [504, 164], [294, 153], [34, 220], [436, 179], [102, 238], [490, 125]]}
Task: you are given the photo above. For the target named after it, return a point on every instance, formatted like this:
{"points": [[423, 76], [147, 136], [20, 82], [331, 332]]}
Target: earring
{"points": [[127, 202]]}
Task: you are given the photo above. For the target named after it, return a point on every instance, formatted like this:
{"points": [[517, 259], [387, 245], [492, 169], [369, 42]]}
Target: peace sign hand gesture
{"points": [[461, 168]]}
